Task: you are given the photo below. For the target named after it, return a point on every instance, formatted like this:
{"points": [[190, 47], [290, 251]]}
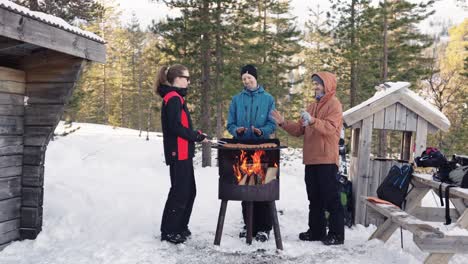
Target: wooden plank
{"points": [[11, 171], [400, 117], [33, 155], [11, 99], [363, 160], [389, 122], [434, 214], [8, 237], [11, 125], [9, 74], [411, 120], [423, 112], [49, 93], [32, 197], [37, 135], [421, 135], [379, 119], [406, 145], [6, 141], [459, 204], [33, 176], [43, 115], [31, 217], [448, 244], [444, 257], [10, 187], [9, 226], [11, 161], [12, 87], [370, 109], [11, 150], [30, 233], [11, 110], [376, 175], [23, 28], [65, 72], [385, 231], [426, 180], [10, 209], [414, 225]]}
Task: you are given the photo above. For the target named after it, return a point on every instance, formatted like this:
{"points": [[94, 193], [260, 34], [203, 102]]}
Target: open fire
{"points": [[250, 170]]}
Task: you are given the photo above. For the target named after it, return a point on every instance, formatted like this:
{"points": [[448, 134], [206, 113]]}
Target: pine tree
{"points": [[72, 11]]}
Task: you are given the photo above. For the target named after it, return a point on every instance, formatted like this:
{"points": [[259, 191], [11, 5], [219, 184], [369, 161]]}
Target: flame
{"points": [[245, 169]]}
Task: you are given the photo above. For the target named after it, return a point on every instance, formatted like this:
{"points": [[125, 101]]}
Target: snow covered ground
{"points": [[105, 189]]}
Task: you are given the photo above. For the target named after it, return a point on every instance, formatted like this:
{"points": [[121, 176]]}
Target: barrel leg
{"points": [[219, 227], [276, 229], [249, 222]]}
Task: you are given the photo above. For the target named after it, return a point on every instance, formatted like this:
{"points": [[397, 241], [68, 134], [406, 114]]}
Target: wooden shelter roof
{"points": [[23, 31], [396, 92]]}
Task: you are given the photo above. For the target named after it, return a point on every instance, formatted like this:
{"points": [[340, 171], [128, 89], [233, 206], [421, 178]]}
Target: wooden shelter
{"points": [[400, 111], [41, 59]]}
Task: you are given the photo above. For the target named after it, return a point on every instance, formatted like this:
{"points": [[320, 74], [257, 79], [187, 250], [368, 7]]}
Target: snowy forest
{"points": [[363, 42]]}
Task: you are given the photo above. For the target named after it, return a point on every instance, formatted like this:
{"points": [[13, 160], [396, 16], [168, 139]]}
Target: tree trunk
{"points": [[382, 148], [219, 67], [205, 83], [354, 78]]}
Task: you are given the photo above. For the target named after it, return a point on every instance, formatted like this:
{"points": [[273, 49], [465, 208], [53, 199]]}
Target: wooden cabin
{"points": [[405, 116], [41, 59]]}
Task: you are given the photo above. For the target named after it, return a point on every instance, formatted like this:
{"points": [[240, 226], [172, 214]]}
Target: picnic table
{"points": [[417, 220]]}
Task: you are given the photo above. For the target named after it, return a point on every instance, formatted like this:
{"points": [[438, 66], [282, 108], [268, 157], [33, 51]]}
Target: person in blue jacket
{"points": [[249, 120]]}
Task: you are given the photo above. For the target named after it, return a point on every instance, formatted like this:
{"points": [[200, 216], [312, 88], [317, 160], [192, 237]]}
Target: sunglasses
{"points": [[186, 77]]}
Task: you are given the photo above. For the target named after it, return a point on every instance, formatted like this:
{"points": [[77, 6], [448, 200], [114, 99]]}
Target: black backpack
{"points": [[431, 157], [394, 187], [457, 177]]}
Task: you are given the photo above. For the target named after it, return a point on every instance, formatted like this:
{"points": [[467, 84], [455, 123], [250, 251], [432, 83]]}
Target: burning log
{"points": [[271, 174]]}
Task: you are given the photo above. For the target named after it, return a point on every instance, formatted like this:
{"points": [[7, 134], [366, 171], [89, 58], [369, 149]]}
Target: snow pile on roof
{"points": [[386, 89], [49, 19]]}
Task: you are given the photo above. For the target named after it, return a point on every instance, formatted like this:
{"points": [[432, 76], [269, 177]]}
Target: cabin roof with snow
{"points": [[23, 31], [396, 93]]}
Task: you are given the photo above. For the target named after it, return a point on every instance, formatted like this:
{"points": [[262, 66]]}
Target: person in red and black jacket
{"points": [[179, 139]]}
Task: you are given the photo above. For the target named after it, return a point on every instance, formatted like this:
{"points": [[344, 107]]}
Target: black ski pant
{"points": [[262, 221], [322, 192], [178, 209]]}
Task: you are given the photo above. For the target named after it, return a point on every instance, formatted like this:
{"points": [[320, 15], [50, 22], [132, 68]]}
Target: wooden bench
{"points": [[428, 238]]}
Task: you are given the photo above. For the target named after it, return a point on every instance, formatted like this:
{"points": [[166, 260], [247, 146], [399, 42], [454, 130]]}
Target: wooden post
{"points": [[219, 227]]}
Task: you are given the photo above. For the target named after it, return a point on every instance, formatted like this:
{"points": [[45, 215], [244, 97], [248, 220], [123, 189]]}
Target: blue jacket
{"points": [[251, 108]]}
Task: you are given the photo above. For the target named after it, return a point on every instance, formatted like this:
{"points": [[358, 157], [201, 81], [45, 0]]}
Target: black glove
{"points": [[200, 136]]}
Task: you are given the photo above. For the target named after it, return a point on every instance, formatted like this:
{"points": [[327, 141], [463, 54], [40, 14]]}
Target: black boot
{"points": [[243, 232], [332, 239], [307, 236], [186, 233], [262, 236], [173, 238]]}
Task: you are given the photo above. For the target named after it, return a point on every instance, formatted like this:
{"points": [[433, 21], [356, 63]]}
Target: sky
{"points": [[146, 10]]}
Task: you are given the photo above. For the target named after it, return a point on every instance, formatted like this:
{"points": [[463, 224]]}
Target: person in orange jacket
{"points": [[320, 125]]}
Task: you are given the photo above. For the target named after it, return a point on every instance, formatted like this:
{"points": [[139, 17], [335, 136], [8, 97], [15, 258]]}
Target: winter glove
{"points": [[306, 117], [240, 131], [257, 131], [200, 136]]}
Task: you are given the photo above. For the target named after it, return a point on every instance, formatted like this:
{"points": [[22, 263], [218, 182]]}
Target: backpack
{"points": [[394, 187], [345, 190], [457, 177], [431, 157]]}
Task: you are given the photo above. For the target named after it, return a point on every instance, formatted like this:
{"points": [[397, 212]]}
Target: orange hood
{"points": [[329, 81]]}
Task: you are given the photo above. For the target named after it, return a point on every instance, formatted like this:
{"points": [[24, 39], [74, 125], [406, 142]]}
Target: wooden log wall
{"points": [[50, 81], [12, 88]]}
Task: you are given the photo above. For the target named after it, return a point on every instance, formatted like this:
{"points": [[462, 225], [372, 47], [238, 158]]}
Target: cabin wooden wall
{"points": [[12, 88], [32, 102]]}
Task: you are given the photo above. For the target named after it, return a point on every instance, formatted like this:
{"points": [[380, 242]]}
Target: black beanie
{"points": [[317, 78], [250, 69]]}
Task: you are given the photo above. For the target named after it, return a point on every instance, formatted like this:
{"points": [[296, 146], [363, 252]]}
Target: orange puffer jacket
{"points": [[322, 136]]}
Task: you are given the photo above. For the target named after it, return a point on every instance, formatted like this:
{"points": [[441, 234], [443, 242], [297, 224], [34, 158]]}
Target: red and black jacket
{"points": [[178, 133]]}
